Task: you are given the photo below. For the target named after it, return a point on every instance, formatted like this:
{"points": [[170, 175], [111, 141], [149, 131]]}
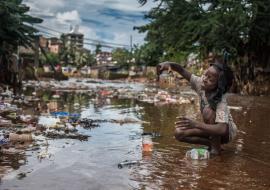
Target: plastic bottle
{"points": [[147, 142], [198, 154]]}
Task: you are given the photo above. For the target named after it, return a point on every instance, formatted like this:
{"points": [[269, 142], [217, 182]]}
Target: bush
{"points": [[54, 75], [113, 76]]}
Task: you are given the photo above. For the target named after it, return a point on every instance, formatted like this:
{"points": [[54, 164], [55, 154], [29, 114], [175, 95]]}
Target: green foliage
{"points": [[15, 24], [98, 49], [147, 54], [121, 56], [241, 27], [52, 58], [56, 75], [90, 60], [80, 58]]}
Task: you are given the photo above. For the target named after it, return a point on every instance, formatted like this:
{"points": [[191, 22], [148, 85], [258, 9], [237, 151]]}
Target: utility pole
{"points": [[36, 54], [131, 43]]}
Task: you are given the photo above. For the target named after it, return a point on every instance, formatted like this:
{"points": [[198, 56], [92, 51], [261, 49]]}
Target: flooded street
{"points": [[92, 163]]}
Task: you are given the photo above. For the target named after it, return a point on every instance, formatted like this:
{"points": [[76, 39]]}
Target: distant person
{"points": [[13, 68], [218, 126]]}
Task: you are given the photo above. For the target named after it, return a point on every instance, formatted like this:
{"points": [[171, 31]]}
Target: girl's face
{"points": [[210, 79]]}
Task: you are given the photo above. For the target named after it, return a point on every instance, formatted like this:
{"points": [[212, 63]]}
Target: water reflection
{"points": [[80, 165]]}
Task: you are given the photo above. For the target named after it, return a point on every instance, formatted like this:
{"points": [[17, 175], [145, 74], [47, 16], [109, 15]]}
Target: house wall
{"points": [[94, 73]]}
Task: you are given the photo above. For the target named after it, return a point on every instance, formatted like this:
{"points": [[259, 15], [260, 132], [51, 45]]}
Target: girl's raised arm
{"points": [[174, 67]]}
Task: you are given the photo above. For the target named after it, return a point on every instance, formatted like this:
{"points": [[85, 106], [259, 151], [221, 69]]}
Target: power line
{"points": [[50, 35], [89, 39]]}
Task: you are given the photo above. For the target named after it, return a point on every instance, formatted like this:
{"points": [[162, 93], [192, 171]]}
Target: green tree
{"points": [[64, 53], [240, 27], [147, 54], [98, 49], [16, 25], [50, 58], [84, 57], [91, 59], [121, 56]]}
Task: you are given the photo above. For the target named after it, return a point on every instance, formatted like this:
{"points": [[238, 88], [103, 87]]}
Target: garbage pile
{"points": [[60, 125], [56, 85], [19, 127], [148, 95], [151, 95]]}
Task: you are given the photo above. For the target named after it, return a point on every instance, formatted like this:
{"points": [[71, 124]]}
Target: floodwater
{"points": [[93, 164]]}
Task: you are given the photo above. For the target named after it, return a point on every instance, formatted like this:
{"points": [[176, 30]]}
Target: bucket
{"points": [[147, 142], [13, 137]]}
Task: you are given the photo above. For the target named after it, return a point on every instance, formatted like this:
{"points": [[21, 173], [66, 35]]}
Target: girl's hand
{"points": [[185, 123]]}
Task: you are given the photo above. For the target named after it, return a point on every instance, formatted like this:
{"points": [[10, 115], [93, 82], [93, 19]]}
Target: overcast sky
{"points": [[105, 20]]}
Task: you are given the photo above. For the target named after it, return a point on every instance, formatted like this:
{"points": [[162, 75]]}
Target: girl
{"points": [[218, 126]]}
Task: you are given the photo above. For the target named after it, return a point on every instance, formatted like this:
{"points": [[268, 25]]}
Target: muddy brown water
{"points": [[92, 164]]}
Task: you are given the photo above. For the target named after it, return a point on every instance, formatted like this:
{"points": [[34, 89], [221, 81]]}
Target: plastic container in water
{"points": [[3, 140], [147, 142], [198, 154]]}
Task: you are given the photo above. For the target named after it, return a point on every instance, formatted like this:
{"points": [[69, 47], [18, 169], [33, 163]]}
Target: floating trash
{"points": [[88, 123], [128, 163], [65, 114], [62, 135], [5, 122], [3, 141], [236, 108], [147, 143], [44, 154], [70, 127], [11, 151], [198, 154], [60, 114], [13, 137]]}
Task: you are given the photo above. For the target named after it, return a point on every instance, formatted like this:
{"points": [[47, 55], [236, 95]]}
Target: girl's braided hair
{"points": [[225, 81]]}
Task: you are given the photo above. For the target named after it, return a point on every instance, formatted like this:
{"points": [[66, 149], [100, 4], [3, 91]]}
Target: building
{"points": [[74, 38], [54, 45], [104, 58]]}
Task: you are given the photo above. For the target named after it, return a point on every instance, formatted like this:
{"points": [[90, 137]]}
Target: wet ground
{"points": [[93, 164]]}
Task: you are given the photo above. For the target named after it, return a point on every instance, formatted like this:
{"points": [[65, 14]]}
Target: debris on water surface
{"points": [[128, 163], [61, 135], [198, 154], [21, 175], [20, 137], [88, 123], [43, 155]]}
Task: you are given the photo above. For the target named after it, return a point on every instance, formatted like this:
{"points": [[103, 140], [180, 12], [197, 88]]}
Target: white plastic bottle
{"points": [[198, 154]]}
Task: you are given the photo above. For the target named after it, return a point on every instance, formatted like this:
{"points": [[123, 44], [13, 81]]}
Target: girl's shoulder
{"points": [[196, 83], [224, 97], [223, 102]]}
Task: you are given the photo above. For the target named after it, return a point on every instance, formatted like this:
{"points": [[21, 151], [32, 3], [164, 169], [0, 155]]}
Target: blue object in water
{"points": [[60, 114], [3, 141], [65, 114], [75, 115]]}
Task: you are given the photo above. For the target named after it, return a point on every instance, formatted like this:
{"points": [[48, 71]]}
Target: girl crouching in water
{"points": [[218, 126]]}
